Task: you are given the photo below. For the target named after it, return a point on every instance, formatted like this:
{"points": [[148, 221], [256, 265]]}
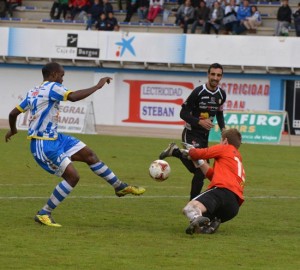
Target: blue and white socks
{"points": [[61, 191], [103, 171]]}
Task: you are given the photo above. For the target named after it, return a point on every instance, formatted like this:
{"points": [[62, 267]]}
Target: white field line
{"points": [[140, 197]]}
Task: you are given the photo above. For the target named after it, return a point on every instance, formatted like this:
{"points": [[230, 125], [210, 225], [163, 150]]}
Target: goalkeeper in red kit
{"points": [[224, 195]]}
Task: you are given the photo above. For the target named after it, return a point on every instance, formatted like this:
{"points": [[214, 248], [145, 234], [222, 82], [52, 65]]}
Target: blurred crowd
{"points": [[195, 16]]}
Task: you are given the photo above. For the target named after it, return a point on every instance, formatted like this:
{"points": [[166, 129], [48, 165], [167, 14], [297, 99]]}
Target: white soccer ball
{"points": [[159, 170]]}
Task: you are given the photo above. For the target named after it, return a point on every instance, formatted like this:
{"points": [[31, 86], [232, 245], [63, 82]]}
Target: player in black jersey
{"points": [[198, 111]]}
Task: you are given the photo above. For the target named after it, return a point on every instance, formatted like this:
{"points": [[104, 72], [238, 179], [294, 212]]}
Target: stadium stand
{"points": [[35, 14]]}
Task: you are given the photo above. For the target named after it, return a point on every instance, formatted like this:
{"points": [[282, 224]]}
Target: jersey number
{"points": [[241, 171]]}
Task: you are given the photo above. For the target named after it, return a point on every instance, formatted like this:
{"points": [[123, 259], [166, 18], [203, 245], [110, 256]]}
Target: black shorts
{"points": [[219, 202], [197, 138]]}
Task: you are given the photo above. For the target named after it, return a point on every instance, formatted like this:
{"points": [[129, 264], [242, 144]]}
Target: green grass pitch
{"points": [[102, 231]]}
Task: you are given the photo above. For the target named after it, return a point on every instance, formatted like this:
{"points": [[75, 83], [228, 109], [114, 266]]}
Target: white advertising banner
{"points": [[73, 118], [151, 100], [243, 50], [58, 44], [146, 47], [151, 47]]}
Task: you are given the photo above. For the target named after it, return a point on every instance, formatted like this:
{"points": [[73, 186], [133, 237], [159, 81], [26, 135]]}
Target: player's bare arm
{"points": [[12, 124], [82, 94]]}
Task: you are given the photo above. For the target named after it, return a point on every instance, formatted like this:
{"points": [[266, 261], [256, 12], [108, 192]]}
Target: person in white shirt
{"points": [[254, 21]]}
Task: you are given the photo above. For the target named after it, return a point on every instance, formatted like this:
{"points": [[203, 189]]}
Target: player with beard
{"points": [[198, 111]]}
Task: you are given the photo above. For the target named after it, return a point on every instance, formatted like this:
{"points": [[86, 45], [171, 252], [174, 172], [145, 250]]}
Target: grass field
{"points": [[101, 231]]}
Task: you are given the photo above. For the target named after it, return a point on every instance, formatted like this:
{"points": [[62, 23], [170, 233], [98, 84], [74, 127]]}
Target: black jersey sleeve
{"points": [[220, 114], [220, 119], [187, 108]]}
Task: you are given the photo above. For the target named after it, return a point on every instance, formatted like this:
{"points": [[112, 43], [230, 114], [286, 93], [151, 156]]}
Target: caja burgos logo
{"points": [[72, 49], [156, 102], [72, 40]]}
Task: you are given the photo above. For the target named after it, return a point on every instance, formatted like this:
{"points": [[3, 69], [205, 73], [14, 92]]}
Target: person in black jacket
{"points": [[131, 8], [284, 19], [94, 13], [201, 16], [198, 111]]}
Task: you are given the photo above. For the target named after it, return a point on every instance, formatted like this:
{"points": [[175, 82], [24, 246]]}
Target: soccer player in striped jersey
{"points": [[224, 195], [54, 151], [199, 110]]}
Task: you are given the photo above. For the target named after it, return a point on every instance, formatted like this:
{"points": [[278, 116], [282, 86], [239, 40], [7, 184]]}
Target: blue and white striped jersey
{"points": [[43, 103]]}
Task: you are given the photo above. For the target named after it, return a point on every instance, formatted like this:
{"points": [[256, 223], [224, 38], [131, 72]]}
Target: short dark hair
{"points": [[215, 65], [50, 68], [233, 137]]}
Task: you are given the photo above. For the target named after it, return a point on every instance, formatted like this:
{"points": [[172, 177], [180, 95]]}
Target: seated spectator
{"points": [[284, 19], [296, 16], [201, 16], [156, 6], [243, 12], [131, 8], [94, 13], [230, 16], [78, 7], [185, 15], [11, 5], [112, 22], [215, 17], [63, 9], [251, 23], [107, 7], [101, 24], [142, 10], [59, 7]]}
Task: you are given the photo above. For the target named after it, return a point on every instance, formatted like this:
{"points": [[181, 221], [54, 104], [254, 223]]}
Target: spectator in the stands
{"points": [[243, 12], [296, 16], [94, 13], [251, 23], [112, 22], [230, 16], [284, 19], [54, 9], [107, 7], [131, 8], [101, 24], [59, 7], [156, 6], [215, 17], [11, 5], [79, 8], [143, 8], [201, 16], [3, 8], [63, 9], [185, 15]]}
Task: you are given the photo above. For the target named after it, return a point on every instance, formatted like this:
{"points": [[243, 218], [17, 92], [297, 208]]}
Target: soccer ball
{"points": [[159, 170]]}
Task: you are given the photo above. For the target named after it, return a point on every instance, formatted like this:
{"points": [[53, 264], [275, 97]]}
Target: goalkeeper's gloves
{"points": [[185, 154]]}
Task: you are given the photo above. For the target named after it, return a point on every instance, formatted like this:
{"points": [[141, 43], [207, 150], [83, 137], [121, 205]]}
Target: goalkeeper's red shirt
{"points": [[228, 171]]}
